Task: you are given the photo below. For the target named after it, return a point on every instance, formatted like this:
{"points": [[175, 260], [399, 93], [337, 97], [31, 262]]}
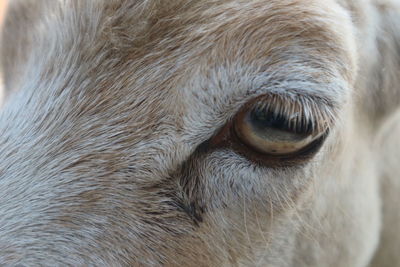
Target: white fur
{"points": [[105, 151]]}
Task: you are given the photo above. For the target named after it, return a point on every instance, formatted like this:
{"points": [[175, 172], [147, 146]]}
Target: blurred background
{"points": [[3, 4]]}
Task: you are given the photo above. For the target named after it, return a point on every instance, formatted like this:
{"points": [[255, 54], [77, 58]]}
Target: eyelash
{"points": [[301, 115], [282, 121]]}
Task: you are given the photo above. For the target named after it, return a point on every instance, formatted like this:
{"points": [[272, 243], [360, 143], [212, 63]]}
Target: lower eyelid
{"points": [[301, 156], [227, 139]]}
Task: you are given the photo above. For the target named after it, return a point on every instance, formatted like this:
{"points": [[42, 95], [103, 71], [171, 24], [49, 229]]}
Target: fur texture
{"points": [[105, 155]]}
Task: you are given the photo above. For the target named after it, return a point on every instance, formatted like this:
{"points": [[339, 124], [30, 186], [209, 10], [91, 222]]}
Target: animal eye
{"points": [[276, 131], [272, 133]]}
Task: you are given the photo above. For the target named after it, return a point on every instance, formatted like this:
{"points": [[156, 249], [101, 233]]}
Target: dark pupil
{"points": [[262, 119]]}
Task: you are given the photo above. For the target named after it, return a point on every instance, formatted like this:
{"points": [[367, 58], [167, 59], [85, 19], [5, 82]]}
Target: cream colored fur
{"points": [[105, 157]]}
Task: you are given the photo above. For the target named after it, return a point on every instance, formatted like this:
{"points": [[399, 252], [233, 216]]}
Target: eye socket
{"points": [[275, 134]]}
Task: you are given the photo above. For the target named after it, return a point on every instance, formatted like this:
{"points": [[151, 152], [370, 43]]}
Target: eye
{"points": [[277, 131], [273, 133]]}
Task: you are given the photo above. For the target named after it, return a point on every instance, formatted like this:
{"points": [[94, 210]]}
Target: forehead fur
{"points": [[148, 70], [140, 34], [149, 47]]}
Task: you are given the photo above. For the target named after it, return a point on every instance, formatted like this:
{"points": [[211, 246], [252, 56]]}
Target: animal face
{"points": [[202, 133]]}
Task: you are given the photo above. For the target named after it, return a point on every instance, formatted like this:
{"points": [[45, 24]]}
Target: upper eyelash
{"points": [[288, 123], [303, 114]]}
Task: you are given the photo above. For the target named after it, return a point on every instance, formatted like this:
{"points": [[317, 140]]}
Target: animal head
{"points": [[174, 132]]}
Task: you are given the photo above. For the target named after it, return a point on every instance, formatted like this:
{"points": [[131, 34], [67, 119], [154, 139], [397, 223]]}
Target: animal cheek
{"points": [[223, 180]]}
